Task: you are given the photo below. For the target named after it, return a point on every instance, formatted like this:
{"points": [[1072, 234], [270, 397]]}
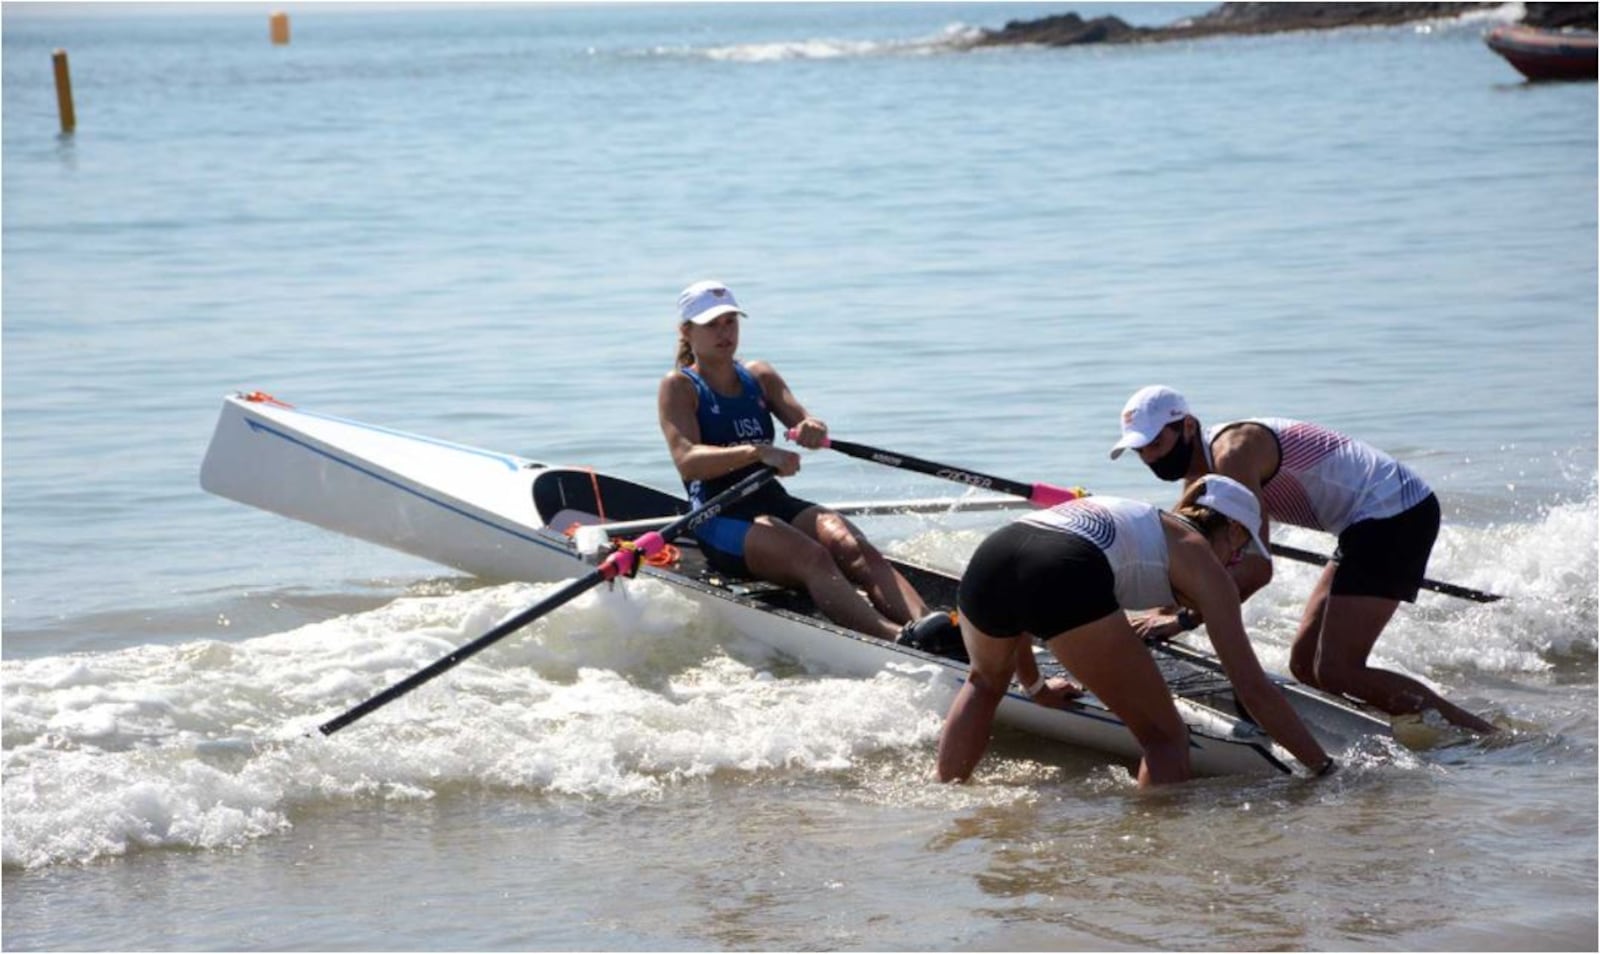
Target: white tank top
{"points": [[1130, 534], [1327, 481]]}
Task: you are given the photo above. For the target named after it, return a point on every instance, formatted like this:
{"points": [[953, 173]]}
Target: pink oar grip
{"points": [[1045, 495], [618, 563], [621, 560], [793, 433]]}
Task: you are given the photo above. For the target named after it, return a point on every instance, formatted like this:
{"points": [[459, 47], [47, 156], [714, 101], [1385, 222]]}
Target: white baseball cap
{"points": [[1146, 413], [1234, 501], [705, 302]]}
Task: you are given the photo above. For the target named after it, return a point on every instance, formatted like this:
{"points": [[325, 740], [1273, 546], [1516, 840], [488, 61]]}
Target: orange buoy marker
{"points": [[280, 28], [69, 118]]}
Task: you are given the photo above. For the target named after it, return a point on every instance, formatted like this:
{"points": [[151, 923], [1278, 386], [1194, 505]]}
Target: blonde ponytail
{"points": [[685, 353]]}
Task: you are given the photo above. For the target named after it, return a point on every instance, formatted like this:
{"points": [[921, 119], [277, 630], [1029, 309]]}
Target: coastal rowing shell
{"points": [[503, 517]]}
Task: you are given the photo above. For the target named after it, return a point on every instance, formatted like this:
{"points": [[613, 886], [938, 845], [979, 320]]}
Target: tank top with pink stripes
{"points": [[1327, 481]]}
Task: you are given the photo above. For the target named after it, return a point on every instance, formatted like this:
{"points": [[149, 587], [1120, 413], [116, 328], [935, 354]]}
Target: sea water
{"points": [[472, 222]]}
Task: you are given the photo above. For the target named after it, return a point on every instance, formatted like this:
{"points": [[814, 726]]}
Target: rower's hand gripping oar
{"points": [[1041, 495], [624, 561], [1046, 495]]}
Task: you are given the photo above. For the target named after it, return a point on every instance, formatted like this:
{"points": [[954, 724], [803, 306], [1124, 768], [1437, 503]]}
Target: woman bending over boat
{"points": [[717, 416], [1066, 575], [1385, 517]]}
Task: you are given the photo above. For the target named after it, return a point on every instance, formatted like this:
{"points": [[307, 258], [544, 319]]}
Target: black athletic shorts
{"points": [[722, 537], [1387, 557], [1029, 579]]}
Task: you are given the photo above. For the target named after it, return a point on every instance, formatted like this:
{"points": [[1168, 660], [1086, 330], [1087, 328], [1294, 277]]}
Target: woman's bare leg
{"points": [[775, 551], [1111, 662], [965, 736], [862, 564]]}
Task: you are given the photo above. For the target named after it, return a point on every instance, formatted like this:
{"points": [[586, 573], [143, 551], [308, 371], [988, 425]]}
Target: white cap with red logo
{"points": [[1146, 413], [705, 302]]}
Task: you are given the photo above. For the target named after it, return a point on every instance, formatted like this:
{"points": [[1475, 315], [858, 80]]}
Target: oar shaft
{"points": [[619, 563], [1448, 589], [960, 475], [1042, 495], [853, 508], [460, 655], [1047, 495]]}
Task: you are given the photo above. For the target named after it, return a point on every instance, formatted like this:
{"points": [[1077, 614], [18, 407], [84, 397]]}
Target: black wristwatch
{"points": [[1187, 620]]}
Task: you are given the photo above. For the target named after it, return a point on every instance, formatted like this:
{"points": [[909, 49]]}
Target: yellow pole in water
{"points": [[280, 28], [69, 118]]}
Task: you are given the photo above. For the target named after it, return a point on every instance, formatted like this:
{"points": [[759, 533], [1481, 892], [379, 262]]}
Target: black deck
{"points": [[608, 498]]}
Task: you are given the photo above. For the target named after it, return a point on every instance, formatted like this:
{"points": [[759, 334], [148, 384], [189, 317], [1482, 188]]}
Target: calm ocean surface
{"points": [[472, 223]]}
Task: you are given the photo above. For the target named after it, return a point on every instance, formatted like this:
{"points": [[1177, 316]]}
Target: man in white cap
{"points": [[1385, 517], [716, 414]]}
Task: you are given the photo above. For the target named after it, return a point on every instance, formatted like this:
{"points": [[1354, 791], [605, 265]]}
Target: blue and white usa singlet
{"points": [[726, 421], [1129, 533], [1327, 481]]}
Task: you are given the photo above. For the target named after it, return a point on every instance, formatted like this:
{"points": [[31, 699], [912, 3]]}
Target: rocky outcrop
{"points": [[1067, 29], [1235, 19], [1561, 16], [1251, 18]]}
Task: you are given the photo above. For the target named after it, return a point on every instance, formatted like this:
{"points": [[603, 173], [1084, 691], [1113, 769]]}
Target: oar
{"points": [[619, 563], [1046, 495], [1448, 589], [858, 508], [1042, 495]]}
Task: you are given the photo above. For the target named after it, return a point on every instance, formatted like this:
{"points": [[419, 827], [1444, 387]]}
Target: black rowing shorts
{"points": [[1029, 579], [1388, 557]]}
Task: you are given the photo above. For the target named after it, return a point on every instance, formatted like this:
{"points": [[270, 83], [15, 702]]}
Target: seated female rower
{"points": [[717, 414]]}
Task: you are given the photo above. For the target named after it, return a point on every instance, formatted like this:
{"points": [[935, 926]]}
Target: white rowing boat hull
{"points": [[465, 508], [485, 514]]}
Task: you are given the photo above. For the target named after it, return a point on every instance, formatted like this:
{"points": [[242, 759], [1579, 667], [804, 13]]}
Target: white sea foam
{"points": [[620, 694], [615, 696], [953, 37], [1504, 13], [1546, 571]]}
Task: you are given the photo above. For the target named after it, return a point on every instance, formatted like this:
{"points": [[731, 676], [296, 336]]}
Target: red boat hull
{"points": [[1546, 54]]}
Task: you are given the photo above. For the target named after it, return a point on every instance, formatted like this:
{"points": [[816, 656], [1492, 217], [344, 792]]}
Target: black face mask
{"points": [[1174, 463]]}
